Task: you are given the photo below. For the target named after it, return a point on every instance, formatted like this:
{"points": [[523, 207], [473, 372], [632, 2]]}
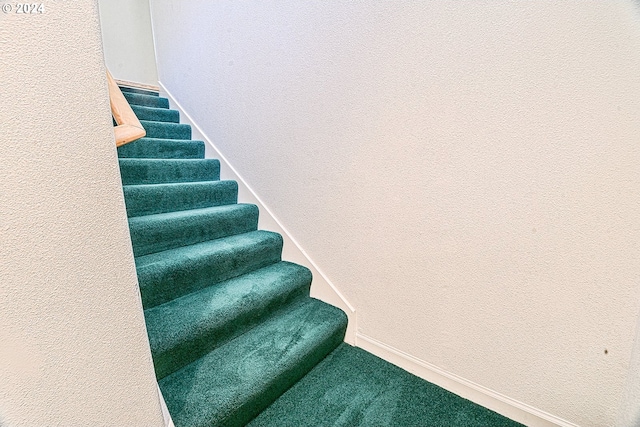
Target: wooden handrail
{"points": [[128, 127]]}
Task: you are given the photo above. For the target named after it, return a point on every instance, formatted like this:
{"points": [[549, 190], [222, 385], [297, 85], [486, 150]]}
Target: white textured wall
{"points": [[73, 346], [468, 173], [128, 41], [629, 414]]}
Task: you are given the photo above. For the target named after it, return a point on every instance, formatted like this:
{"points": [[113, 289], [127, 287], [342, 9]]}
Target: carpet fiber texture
{"points": [[234, 334], [351, 387]]}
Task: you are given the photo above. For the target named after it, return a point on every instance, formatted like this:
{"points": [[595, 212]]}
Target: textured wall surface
{"points": [[128, 41], [629, 413], [467, 173], [73, 346]]}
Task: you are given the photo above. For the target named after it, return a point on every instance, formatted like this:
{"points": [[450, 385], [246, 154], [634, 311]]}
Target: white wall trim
{"points": [[322, 288], [168, 422], [504, 405]]}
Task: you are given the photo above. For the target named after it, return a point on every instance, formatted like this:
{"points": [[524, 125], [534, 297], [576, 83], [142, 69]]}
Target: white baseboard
{"points": [[504, 405], [168, 422], [322, 288]]}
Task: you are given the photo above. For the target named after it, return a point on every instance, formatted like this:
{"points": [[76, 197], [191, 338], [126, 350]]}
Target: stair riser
{"points": [[146, 100], [151, 236], [141, 171], [156, 114], [246, 306], [163, 282], [166, 130], [162, 149], [153, 199]]}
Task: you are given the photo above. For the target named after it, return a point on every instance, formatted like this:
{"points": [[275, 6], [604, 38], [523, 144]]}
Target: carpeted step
{"points": [[136, 90], [233, 383], [162, 149], [159, 232], [352, 387], [146, 100], [162, 171], [187, 328], [156, 114], [166, 130], [159, 198], [170, 274]]}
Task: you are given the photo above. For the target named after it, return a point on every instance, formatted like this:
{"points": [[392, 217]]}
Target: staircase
{"points": [[235, 337], [231, 325]]}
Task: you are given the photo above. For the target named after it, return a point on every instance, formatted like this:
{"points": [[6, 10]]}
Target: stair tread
{"points": [[156, 140], [184, 329], [146, 199], [233, 383], [156, 114], [167, 130], [166, 275], [146, 100], [157, 171], [167, 124], [160, 232], [143, 161], [224, 244], [190, 213], [162, 148]]}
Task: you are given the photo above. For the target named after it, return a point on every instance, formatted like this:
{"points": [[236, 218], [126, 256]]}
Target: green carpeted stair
{"points": [[164, 171], [156, 114], [231, 326], [145, 99], [166, 130]]}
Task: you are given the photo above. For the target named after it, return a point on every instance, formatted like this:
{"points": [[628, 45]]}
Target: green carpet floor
{"points": [[351, 387], [234, 335]]}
